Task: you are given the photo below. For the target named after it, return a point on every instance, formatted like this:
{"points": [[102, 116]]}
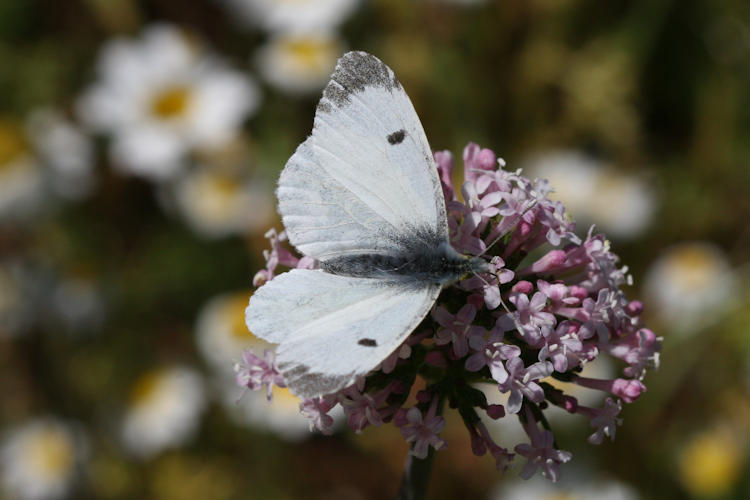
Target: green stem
{"points": [[416, 477]]}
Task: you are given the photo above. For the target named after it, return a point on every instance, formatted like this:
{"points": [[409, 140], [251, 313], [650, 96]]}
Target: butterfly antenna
{"points": [[484, 280]]}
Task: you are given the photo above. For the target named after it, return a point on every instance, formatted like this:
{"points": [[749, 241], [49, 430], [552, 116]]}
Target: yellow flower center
{"points": [[694, 267], [145, 388], [710, 464], [285, 399], [312, 53], [171, 103], [51, 453], [12, 142], [235, 313]]}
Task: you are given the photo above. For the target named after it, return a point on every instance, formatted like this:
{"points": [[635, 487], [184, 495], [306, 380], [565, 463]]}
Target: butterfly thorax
{"points": [[418, 261]]}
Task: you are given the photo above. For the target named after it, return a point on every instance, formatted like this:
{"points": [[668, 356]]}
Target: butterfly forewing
{"points": [[366, 177]]}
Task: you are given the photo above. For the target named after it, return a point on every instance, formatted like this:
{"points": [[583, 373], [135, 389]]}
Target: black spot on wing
{"points": [[397, 137], [368, 342]]}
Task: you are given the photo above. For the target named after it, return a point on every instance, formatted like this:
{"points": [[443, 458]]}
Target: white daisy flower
{"points": [[281, 416], [65, 150], [21, 177], [221, 333], [162, 96], [690, 286], [40, 459], [299, 63], [217, 203], [293, 15], [622, 205], [581, 488], [594, 193], [164, 412]]}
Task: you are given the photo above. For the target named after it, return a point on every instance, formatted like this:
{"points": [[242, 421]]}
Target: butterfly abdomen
{"points": [[418, 262]]}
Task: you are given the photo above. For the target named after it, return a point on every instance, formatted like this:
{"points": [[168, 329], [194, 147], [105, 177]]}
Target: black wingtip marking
{"points": [[397, 137], [354, 72], [368, 342]]}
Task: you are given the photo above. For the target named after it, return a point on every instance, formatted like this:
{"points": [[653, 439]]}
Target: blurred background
{"points": [[140, 141]]}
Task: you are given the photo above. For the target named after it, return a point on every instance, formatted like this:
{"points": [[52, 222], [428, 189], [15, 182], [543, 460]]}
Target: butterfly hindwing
{"points": [[333, 329], [366, 176]]}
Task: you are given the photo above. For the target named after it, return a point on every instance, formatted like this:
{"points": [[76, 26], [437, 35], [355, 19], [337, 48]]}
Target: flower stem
{"points": [[416, 477]]}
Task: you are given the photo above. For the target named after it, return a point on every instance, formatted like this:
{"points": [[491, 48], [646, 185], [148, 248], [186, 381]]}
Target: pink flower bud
{"points": [[495, 411], [436, 358], [523, 287], [634, 308]]}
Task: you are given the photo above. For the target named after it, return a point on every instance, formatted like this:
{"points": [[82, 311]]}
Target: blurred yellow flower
{"points": [[710, 463], [164, 411], [299, 63], [20, 173], [217, 203], [690, 286], [39, 459]]}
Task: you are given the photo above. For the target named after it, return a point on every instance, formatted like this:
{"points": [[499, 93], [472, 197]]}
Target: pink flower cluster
{"points": [[549, 304]]}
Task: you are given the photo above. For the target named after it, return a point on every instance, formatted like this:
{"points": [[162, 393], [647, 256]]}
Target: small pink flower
{"points": [[362, 409], [423, 432], [541, 452], [528, 318], [444, 160], [491, 352], [456, 329], [254, 372], [316, 409], [521, 382], [627, 389], [604, 420], [562, 347]]}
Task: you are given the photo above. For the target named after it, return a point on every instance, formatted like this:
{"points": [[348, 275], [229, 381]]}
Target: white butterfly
{"points": [[362, 196]]}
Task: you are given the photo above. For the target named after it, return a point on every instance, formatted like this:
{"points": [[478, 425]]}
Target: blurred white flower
{"points": [[65, 150], [539, 488], [161, 97], [281, 416], [620, 205], [689, 286], [164, 412], [21, 178], [293, 15], [217, 203], [299, 63], [221, 333], [40, 459]]}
